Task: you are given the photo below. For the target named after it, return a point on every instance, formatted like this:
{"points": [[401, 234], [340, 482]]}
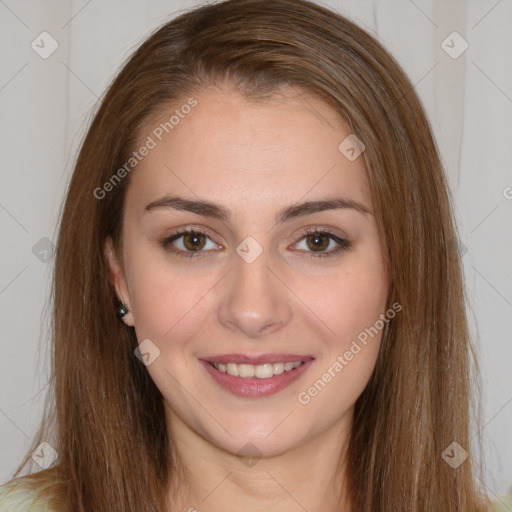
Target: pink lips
{"points": [[255, 387]]}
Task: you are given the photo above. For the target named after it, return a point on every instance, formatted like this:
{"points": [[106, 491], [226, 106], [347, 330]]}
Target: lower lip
{"points": [[255, 387]]}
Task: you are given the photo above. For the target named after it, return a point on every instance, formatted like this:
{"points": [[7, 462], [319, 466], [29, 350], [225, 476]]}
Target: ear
{"points": [[118, 280]]}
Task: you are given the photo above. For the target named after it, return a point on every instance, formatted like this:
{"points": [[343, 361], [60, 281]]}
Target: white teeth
{"points": [[278, 368], [261, 371], [245, 370], [264, 371], [232, 369]]}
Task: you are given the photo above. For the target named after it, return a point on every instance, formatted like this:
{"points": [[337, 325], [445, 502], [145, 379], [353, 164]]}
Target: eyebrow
{"points": [[209, 209]]}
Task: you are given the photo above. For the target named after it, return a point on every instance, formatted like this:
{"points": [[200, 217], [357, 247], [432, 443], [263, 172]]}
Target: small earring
{"points": [[122, 309]]}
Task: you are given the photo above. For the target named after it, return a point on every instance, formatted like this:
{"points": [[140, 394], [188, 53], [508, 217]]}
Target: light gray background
{"points": [[46, 104]]}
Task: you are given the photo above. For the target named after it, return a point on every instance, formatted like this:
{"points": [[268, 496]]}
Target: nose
{"points": [[254, 301]]}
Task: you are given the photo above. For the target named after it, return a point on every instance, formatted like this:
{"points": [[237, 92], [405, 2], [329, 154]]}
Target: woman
{"points": [[260, 201]]}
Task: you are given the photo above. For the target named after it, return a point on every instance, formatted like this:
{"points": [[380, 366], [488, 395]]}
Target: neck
{"points": [[208, 478]]}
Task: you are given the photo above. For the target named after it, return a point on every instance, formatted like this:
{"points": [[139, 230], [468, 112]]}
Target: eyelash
{"points": [[343, 245]]}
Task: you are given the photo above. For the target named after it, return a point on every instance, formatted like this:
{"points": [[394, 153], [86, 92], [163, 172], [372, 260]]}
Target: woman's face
{"points": [[250, 285]]}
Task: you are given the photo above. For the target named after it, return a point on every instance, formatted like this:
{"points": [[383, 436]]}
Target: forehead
{"points": [[245, 153]]}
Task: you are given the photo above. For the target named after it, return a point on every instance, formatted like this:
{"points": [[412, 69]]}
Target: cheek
{"points": [[351, 305], [164, 302], [348, 300], [361, 301]]}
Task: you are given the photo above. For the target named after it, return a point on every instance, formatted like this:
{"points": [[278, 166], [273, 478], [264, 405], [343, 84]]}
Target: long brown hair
{"points": [[109, 426]]}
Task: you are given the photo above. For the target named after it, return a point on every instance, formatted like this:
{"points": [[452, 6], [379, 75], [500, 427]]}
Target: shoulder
{"points": [[32, 493], [503, 502], [16, 496]]}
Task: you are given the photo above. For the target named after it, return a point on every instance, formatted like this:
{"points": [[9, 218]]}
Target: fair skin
{"points": [[253, 159]]}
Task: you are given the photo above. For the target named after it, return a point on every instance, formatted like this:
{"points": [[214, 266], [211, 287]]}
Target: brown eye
{"points": [[189, 243], [194, 241], [322, 243], [318, 241]]}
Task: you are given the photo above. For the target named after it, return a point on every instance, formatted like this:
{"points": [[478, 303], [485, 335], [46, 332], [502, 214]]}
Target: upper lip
{"points": [[253, 359]]}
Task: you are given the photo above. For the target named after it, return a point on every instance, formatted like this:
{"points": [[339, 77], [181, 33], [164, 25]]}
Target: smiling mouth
{"points": [[260, 371]]}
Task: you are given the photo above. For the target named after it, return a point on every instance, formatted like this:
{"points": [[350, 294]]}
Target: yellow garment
{"points": [[16, 497]]}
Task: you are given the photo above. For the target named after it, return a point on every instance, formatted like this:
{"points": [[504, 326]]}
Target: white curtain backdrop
{"points": [[46, 103]]}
